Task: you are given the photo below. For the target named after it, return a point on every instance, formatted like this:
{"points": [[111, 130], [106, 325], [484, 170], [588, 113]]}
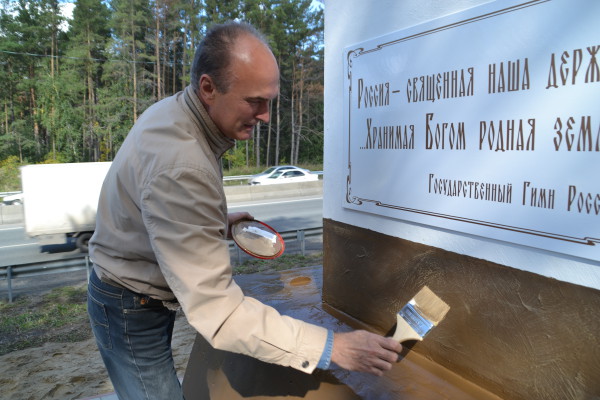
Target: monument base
{"points": [[214, 374], [520, 335]]}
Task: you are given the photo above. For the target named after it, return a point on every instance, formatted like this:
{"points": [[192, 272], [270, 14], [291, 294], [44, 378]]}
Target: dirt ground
{"points": [[64, 363], [71, 371]]}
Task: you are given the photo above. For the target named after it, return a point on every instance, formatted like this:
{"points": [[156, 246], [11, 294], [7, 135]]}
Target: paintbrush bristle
{"points": [[430, 306]]}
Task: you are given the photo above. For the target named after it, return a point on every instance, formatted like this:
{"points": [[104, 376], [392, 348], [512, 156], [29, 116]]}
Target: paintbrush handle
{"points": [[404, 331]]}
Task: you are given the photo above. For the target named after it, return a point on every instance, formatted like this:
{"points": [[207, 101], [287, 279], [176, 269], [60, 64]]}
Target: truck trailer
{"points": [[61, 199]]}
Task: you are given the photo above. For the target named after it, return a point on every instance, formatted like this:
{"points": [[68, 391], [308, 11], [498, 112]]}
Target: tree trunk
{"points": [[174, 67], [293, 128], [293, 138], [134, 62], [157, 49], [184, 51], [53, 67], [36, 126], [5, 122], [269, 134], [165, 47], [247, 155], [300, 115], [257, 144], [89, 110], [277, 130]]}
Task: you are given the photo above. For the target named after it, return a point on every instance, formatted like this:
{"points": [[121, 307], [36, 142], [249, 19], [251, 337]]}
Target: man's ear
{"points": [[206, 89]]}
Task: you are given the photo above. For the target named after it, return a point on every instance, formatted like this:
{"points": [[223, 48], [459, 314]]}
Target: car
{"points": [[260, 178], [13, 199], [288, 176]]}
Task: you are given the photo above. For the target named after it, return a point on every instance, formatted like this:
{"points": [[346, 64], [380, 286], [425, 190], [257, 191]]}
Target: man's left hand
{"points": [[234, 217]]}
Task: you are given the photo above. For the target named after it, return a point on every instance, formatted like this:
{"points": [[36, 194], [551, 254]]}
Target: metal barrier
{"points": [[237, 178], [245, 179], [3, 194], [298, 235], [82, 261], [11, 214], [10, 272]]}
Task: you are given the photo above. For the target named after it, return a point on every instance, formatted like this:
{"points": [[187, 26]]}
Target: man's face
{"points": [[254, 83]]}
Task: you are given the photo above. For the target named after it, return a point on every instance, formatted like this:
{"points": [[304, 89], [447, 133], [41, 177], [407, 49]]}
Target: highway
{"points": [[282, 214], [285, 214]]}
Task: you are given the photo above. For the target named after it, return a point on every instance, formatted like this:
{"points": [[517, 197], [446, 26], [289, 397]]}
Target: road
{"points": [[17, 248], [283, 215], [287, 214]]}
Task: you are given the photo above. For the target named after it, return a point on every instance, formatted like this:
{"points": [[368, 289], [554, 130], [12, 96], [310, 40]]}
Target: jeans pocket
{"points": [[99, 322]]}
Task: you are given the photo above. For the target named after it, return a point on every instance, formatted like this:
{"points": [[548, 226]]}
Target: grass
{"points": [[31, 321], [61, 315]]}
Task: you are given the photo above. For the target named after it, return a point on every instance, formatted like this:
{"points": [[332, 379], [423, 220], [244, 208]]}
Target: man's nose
{"points": [[262, 113]]}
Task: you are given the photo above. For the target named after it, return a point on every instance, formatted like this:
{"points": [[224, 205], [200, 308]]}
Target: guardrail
{"points": [[236, 178], [12, 214], [4, 194], [247, 177], [225, 179], [82, 261]]}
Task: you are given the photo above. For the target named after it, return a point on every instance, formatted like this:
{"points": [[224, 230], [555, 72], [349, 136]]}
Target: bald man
{"points": [[162, 228]]}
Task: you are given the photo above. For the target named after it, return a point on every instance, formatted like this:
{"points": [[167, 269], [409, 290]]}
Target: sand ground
{"points": [[71, 371]]}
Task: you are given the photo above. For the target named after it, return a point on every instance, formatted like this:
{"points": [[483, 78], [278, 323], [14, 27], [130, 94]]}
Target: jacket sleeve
{"points": [[185, 214]]}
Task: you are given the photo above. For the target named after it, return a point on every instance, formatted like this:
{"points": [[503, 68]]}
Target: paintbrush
{"points": [[420, 315]]}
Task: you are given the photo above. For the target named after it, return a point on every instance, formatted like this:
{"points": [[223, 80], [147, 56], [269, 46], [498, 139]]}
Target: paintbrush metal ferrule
{"points": [[424, 311], [419, 323]]}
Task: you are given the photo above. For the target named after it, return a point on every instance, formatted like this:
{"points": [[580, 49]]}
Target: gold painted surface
{"points": [[519, 335], [213, 374]]}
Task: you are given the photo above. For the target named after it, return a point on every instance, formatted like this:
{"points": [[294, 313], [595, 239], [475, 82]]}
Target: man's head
{"points": [[235, 76]]}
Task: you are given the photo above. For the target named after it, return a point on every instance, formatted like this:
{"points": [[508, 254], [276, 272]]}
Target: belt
{"points": [[110, 282], [172, 305]]}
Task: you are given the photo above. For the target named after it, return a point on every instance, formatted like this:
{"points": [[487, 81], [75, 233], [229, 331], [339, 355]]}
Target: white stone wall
{"points": [[353, 21]]}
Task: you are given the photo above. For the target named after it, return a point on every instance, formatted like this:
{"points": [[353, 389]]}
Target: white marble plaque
{"points": [[485, 122]]}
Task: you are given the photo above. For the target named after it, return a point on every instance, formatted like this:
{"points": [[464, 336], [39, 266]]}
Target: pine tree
{"points": [[74, 95], [88, 34]]}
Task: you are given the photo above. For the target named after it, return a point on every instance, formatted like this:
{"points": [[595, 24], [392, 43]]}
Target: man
{"points": [[161, 228]]}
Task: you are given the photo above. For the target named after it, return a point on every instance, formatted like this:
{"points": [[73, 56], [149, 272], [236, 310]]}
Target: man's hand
{"points": [[365, 352], [236, 216]]}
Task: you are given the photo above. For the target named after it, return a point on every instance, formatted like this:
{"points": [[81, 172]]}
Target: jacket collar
{"points": [[218, 142]]}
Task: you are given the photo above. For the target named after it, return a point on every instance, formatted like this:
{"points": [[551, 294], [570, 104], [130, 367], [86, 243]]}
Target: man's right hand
{"points": [[363, 351]]}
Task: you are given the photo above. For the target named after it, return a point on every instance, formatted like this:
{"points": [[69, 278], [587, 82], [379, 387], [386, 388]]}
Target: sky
{"points": [[67, 9], [68, 5]]}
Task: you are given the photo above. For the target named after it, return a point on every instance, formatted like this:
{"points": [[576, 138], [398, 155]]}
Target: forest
{"points": [[74, 83]]}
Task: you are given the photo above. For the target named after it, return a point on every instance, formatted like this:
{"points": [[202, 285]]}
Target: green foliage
{"points": [[33, 320], [10, 178], [235, 157], [72, 89]]}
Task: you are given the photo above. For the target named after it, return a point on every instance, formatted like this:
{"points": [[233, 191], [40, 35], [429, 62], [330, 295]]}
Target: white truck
{"points": [[61, 199]]}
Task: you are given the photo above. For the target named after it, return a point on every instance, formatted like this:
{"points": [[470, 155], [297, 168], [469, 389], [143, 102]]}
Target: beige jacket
{"points": [[161, 227]]}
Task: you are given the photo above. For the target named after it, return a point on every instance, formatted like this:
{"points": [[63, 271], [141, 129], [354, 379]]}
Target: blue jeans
{"points": [[133, 333]]}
